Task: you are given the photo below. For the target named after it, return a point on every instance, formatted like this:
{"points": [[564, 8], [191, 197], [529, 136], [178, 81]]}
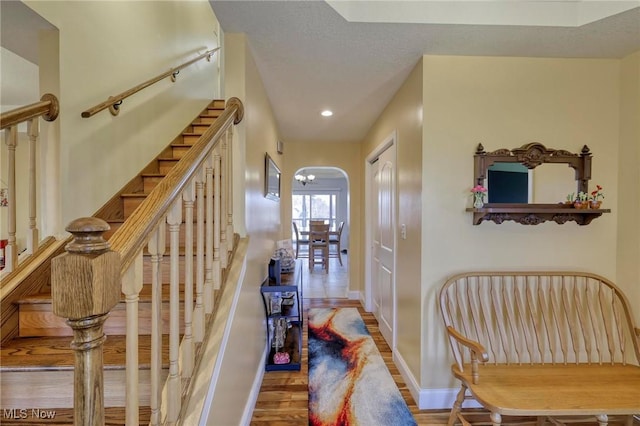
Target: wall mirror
{"points": [[517, 192], [271, 179], [509, 175]]}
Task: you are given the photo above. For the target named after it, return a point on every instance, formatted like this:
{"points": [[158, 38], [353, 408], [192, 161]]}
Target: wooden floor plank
{"points": [[283, 398]]}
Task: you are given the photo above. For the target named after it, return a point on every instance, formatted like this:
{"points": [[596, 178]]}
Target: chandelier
{"points": [[304, 179]]}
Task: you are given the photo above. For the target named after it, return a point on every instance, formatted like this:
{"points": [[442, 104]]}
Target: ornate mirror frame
{"points": [[532, 155]]}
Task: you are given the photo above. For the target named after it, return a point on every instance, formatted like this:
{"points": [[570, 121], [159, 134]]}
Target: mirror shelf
{"points": [[531, 156], [534, 214]]}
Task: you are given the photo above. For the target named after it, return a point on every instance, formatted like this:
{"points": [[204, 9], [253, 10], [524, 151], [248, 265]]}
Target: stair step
{"points": [[116, 224], [37, 317], [190, 138], [151, 180], [64, 416], [130, 202], [55, 353], [179, 150], [165, 164], [199, 128], [212, 112], [218, 103], [207, 119]]}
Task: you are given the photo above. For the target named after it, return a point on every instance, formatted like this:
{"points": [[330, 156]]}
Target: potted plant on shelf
{"points": [[571, 198], [595, 200], [582, 200], [478, 192]]}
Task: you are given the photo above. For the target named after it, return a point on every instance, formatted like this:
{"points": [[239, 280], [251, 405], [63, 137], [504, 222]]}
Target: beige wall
{"points": [[504, 103], [345, 156], [256, 135], [113, 47], [404, 116], [628, 208]]}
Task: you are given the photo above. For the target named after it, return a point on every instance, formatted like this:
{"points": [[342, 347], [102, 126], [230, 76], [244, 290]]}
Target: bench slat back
{"points": [[540, 317]]}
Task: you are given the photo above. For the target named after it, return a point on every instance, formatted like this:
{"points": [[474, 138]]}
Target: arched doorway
{"points": [[322, 193]]}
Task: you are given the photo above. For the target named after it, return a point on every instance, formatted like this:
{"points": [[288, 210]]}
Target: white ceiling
{"points": [[311, 58]]}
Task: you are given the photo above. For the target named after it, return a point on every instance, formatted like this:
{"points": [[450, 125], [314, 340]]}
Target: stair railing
{"points": [[48, 109], [114, 102], [202, 179]]}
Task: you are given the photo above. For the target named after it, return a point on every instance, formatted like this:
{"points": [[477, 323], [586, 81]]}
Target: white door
{"points": [[383, 238]]}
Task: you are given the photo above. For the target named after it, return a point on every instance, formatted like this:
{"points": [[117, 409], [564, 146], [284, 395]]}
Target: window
{"points": [[320, 206]]}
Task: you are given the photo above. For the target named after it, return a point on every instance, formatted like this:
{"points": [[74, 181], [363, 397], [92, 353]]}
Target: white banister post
{"points": [[187, 344], [11, 250], [230, 236], [131, 287], [217, 272], [174, 219], [84, 288], [33, 131], [208, 267], [198, 314], [224, 251], [156, 247]]}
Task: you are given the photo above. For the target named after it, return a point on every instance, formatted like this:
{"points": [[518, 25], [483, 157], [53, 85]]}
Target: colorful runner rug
{"points": [[349, 383]]}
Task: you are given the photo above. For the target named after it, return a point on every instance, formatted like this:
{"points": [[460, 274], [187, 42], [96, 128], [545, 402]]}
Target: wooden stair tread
{"points": [[134, 194], [64, 417], [55, 353], [154, 174], [145, 295]]}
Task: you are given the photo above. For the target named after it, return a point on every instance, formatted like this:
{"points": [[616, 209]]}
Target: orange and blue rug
{"points": [[349, 383]]}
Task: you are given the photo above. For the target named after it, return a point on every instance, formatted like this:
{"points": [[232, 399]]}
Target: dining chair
{"points": [[300, 241], [316, 222], [319, 246], [334, 243]]}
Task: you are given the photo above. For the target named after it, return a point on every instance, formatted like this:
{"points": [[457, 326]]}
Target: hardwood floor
{"points": [[283, 398]]}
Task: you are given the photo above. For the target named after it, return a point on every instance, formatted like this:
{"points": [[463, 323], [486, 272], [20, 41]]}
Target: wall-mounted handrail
{"points": [[48, 108], [114, 102]]}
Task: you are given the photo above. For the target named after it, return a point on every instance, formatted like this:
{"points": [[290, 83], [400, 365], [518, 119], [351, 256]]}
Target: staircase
{"points": [[36, 366]]}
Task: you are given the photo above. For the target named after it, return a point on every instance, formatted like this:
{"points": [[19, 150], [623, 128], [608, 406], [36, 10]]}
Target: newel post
{"points": [[85, 286]]}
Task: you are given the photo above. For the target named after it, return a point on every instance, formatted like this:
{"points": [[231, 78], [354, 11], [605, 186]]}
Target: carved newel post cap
{"points": [[85, 281], [87, 233]]}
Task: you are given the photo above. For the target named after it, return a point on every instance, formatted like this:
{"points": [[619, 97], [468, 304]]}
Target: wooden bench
{"points": [[544, 344]]}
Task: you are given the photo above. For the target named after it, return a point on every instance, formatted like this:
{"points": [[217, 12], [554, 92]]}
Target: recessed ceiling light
{"points": [[326, 113]]}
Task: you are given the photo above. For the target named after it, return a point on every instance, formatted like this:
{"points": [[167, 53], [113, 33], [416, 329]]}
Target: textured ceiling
{"points": [[310, 58]]}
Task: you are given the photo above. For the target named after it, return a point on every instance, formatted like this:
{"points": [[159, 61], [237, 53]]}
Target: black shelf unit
{"points": [[289, 283]]}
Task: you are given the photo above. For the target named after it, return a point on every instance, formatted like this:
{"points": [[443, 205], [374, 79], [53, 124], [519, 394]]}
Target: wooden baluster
{"points": [[187, 344], [131, 287], [11, 250], [217, 272], [229, 174], [174, 219], [208, 267], [198, 312], [32, 233], [85, 286], [224, 251], [156, 249]]}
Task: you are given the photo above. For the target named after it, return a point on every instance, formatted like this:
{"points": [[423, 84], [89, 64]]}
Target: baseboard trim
{"points": [[247, 415], [428, 399], [354, 295]]}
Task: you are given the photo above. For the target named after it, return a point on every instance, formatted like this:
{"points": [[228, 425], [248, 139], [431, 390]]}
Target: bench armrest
{"points": [[477, 352]]}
